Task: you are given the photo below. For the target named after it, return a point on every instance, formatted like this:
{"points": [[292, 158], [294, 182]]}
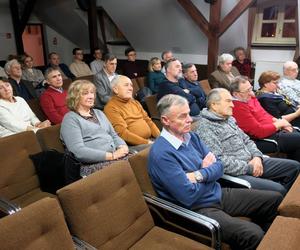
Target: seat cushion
{"points": [[160, 239], [290, 206], [283, 234]]}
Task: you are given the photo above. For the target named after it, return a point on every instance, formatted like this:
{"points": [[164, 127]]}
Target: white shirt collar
{"points": [[173, 140]]}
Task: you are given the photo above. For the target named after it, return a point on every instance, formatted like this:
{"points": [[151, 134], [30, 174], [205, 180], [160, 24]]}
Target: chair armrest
{"points": [[82, 245], [233, 182], [7, 207], [210, 224], [266, 149], [157, 118], [296, 128]]}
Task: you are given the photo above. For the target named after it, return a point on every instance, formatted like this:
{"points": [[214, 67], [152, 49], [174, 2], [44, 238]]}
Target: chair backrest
{"points": [[49, 138], [17, 173], [107, 209], [88, 78], [41, 225], [67, 83], [139, 163], [151, 103], [34, 104], [142, 81], [135, 86], [205, 86]]}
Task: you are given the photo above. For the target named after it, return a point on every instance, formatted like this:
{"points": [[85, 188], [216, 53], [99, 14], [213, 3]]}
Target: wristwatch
{"points": [[198, 176]]}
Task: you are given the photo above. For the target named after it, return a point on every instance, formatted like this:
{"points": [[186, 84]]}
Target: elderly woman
{"points": [[15, 114], [31, 74], [275, 103], [225, 73], [155, 76], [87, 133]]}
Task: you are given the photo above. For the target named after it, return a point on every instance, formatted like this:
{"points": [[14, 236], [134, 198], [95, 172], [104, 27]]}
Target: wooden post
{"points": [[92, 22]]}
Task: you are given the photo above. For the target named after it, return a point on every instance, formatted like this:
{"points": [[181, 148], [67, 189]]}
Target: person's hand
{"points": [[283, 124], [288, 129], [43, 124], [186, 91], [191, 177], [257, 165], [124, 148], [208, 160], [150, 142]]}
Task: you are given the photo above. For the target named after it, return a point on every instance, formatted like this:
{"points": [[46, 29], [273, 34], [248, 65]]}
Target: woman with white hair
{"points": [[225, 73]]}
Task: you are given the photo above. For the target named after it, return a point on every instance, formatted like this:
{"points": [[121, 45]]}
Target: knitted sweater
{"points": [[130, 120], [80, 69], [228, 142]]}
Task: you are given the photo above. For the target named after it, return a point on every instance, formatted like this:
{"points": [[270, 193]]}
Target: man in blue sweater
{"points": [[184, 171]]}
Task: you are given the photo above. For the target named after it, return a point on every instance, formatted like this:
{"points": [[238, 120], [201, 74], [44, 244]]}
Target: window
{"points": [[275, 23]]}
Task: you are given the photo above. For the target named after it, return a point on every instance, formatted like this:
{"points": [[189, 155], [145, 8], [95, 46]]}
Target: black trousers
{"points": [[260, 206]]}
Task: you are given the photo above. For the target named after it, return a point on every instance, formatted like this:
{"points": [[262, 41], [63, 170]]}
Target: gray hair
{"points": [[168, 101], [225, 57], [214, 96], [236, 82], [50, 70], [114, 82], [8, 65], [288, 65], [168, 63], [186, 66]]}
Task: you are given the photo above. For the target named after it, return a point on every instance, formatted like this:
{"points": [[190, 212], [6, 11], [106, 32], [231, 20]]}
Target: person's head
{"points": [[131, 54], [241, 89], [154, 64], [290, 70], [122, 87], [240, 54], [54, 59], [81, 94], [77, 54], [6, 91], [219, 101], [190, 72], [27, 62], [225, 62], [174, 113], [268, 81], [13, 69], [173, 70], [167, 55], [54, 77], [97, 53], [110, 63]]}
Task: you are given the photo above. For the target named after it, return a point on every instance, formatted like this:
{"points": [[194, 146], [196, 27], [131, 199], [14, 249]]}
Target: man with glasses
{"points": [[131, 68], [258, 124], [78, 67]]}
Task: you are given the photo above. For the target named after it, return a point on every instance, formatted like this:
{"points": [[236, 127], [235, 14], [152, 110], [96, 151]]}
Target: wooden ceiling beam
{"points": [[26, 14]]}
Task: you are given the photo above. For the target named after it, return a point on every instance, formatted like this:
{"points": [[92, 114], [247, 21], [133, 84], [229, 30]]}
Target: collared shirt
{"points": [[60, 90], [110, 77], [173, 140]]}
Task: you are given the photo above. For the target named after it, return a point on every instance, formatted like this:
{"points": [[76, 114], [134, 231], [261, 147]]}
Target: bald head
{"points": [[122, 87]]}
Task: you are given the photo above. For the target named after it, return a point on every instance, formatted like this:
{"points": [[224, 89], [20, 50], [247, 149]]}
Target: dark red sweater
{"points": [[54, 105], [253, 119]]}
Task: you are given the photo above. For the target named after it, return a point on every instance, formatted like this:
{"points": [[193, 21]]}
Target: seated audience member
{"points": [[29, 73], [103, 79], [166, 56], [131, 68], [184, 171], [20, 87], [242, 63], [155, 76], [78, 67], [238, 154], [127, 115], [2, 72], [289, 84], [87, 133], [15, 114], [276, 104], [97, 64], [191, 85], [258, 124], [54, 62], [171, 86], [53, 100], [225, 73]]}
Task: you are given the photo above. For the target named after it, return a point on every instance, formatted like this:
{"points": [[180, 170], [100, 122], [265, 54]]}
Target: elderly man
{"points": [[225, 73], [184, 171], [127, 115], [20, 87], [78, 67], [53, 100], [259, 124], [238, 154], [289, 84], [166, 56], [97, 64], [191, 85], [171, 86], [103, 79], [54, 62], [242, 63]]}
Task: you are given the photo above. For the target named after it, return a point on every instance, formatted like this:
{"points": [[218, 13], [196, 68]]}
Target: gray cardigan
{"points": [[89, 141], [228, 142]]}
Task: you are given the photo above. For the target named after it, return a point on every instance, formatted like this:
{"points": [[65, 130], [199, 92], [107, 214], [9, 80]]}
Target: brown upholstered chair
{"points": [[34, 104], [41, 225], [135, 86], [107, 210], [142, 81], [88, 78], [18, 179], [49, 138], [283, 234], [66, 83], [205, 86], [290, 206], [151, 103]]}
